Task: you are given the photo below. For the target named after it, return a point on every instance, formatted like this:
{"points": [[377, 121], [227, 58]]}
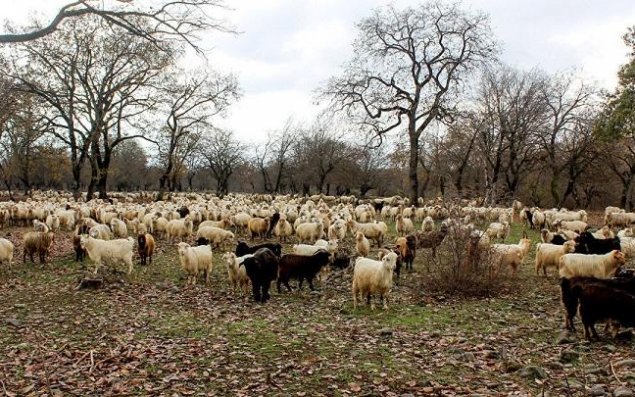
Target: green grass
{"points": [[152, 326]]}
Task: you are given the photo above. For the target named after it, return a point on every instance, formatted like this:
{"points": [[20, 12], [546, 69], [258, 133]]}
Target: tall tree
{"points": [[406, 70], [616, 124], [94, 79], [190, 102], [159, 22]]}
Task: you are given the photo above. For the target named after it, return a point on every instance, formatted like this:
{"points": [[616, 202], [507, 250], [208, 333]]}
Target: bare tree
{"points": [[95, 79], [317, 152], [223, 154], [511, 110], [160, 22], [272, 158], [568, 99], [191, 102], [406, 69]]}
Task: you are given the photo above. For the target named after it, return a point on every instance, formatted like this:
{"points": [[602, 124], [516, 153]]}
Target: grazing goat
{"points": [[588, 244], [243, 249], [432, 239], [598, 266], [548, 255], [39, 243], [6, 251], [373, 277], [145, 247], [301, 267], [570, 290], [108, 252], [262, 269], [195, 260]]}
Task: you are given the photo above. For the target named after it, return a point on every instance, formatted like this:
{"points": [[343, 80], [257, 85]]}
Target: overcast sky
{"points": [[287, 48]]}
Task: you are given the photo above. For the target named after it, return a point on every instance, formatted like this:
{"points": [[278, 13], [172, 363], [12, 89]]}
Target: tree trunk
{"points": [[555, 195], [413, 165]]}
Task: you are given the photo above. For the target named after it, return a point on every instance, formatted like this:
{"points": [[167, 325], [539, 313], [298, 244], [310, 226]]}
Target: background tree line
{"points": [[423, 108]]}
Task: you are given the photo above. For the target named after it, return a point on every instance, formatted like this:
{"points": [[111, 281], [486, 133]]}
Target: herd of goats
{"points": [[590, 262]]}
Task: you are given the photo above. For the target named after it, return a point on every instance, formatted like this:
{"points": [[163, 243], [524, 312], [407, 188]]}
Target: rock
{"points": [[597, 391], [385, 332], [554, 365], [622, 391], [565, 338], [511, 366], [532, 372], [492, 354], [568, 356], [466, 357], [13, 321]]}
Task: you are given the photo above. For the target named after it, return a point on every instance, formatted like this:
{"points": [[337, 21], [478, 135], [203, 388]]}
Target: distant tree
{"points": [[511, 109], [406, 70], [272, 157], [616, 124], [223, 153]]}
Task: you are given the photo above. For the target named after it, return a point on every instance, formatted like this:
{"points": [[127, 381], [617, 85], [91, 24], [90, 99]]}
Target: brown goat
{"points": [[145, 247]]}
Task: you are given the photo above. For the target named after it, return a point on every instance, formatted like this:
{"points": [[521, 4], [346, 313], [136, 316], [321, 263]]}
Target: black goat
{"points": [[243, 249], [262, 269], [301, 267], [588, 244]]}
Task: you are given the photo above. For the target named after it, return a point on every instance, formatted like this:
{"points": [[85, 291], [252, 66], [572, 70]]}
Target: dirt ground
{"points": [[149, 334]]}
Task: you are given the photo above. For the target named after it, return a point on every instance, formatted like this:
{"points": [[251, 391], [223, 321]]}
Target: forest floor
{"points": [[149, 334]]}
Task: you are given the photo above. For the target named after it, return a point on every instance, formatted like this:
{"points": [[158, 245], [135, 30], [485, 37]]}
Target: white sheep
{"points": [[548, 255], [100, 231], [373, 277], [403, 225], [428, 224], [236, 274], [6, 251], [604, 233], [214, 235], [283, 229], [598, 266], [181, 228], [306, 249], [53, 223], [108, 252], [362, 245], [330, 245], [498, 230], [374, 231], [510, 255], [337, 230], [195, 260], [118, 227], [627, 246], [40, 226], [574, 226], [310, 231]]}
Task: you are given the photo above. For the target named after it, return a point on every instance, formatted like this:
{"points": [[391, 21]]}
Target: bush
{"points": [[462, 268]]}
